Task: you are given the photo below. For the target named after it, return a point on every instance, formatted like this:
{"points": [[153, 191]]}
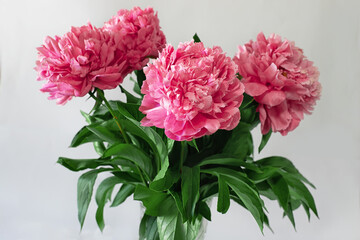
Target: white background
{"points": [[38, 196]]}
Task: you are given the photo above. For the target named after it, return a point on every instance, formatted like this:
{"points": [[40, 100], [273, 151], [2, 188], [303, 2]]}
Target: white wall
{"points": [[38, 197]]}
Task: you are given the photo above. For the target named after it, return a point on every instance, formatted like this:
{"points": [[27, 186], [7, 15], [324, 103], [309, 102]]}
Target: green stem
{"points": [[141, 175], [101, 94], [98, 146], [183, 153], [97, 104], [107, 104]]}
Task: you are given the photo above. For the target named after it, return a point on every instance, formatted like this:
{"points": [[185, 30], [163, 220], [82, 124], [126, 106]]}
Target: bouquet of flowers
{"points": [[184, 134]]}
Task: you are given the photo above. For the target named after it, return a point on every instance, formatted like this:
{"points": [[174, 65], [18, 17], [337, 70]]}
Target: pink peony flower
{"points": [[191, 92], [137, 34], [84, 58], [281, 80]]}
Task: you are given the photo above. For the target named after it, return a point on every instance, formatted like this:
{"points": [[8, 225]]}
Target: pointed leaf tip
{"points": [[264, 140], [196, 38]]}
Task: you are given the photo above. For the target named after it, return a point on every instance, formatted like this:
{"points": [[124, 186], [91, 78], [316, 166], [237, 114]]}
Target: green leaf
{"points": [[88, 118], [80, 164], [247, 101], [251, 200], [136, 87], [208, 146], [127, 177], [265, 138], [148, 228], [281, 190], [130, 110], [170, 227], [244, 189], [84, 136], [298, 188], [193, 229], [264, 174], [236, 199], [124, 192], [165, 178], [103, 194], [295, 203], [129, 97], [204, 210], [131, 153], [178, 202], [307, 210], [125, 164], [193, 144], [240, 144], [107, 131], [156, 203], [99, 147], [226, 160], [230, 173], [168, 175], [196, 38], [222, 159], [223, 203], [285, 164], [292, 205], [190, 185], [208, 190], [289, 213], [178, 154], [169, 143], [249, 115], [266, 221], [103, 112], [140, 76], [284, 183], [98, 101], [150, 136], [84, 192], [278, 162], [265, 190]]}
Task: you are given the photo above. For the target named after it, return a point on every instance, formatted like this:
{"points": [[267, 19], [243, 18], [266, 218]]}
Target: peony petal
{"points": [[265, 122], [88, 57], [212, 125], [254, 88], [272, 98], [291, 81], [270, 73], [107, 81], [197, 89], [232, 122], [157, 116], [261, 37], [280, 117], [293, 124]]}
